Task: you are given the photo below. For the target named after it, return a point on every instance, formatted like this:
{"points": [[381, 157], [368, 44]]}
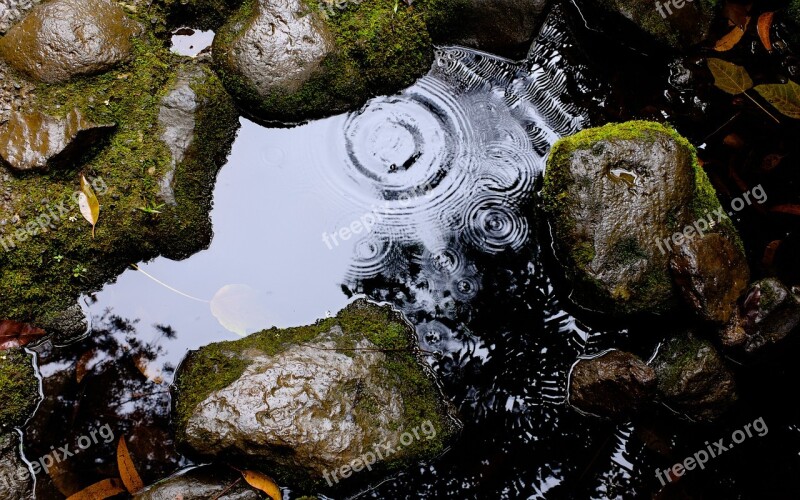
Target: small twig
{"points": [[351, 348], [762, 108], [712, 134], [226, 489]]}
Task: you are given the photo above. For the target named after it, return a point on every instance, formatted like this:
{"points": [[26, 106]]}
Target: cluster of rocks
{"points": [[639, 232]]}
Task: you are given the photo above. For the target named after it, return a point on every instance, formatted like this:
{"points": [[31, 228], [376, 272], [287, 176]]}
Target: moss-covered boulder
{"points": [[339, 56], [18, 388], [47, 253], [347, 396], [678, 24], [693, 378], [61, 39], [621, 199]]}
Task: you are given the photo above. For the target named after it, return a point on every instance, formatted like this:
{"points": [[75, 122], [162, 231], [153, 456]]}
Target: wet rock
{"points": [[15, 479], [612, 385], [678, 27], [693, 379], [311, 400], [65, 38], [200, 483], [502, 27], [711, 273], [67, 325], [19, 389], [620, 199], [771, 312], [35, 141], [177, 120], [12, 11], [281, 48]]}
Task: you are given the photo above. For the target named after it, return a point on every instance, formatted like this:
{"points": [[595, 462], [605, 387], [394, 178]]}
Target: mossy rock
{"points": [[613, 194], [43, 275], [19, 389], [369, 49], [347, 383]]}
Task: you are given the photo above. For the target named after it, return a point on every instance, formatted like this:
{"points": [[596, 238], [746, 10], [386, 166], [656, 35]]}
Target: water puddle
{"points": [[191, 42]]}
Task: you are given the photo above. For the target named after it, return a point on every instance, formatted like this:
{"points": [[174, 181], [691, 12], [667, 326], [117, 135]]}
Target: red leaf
{"points": [[786, 209], [15, 334]]}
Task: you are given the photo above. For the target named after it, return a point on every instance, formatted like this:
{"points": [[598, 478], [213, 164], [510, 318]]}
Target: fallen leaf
{"points": [[87, 201], [771, 161], [736, 13], [769, 253], [106, 488], [786, 209], [764, 25], [15, 334], [82, 367], [143, 364], [730, 40], [241, 309], [262, 482], [785, 97], [729, 77], [127, 471], [733, 141]]}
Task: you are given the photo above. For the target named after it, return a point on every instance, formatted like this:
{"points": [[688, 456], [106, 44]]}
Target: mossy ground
{"points": [[378, 51], [217, 365], [18, 388], [45, 273], [555, 194]]}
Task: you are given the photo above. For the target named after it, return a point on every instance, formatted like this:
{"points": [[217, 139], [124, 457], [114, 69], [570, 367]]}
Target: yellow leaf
{"points": [[728, 41], [87, 201], [127, 471], [106, 488], [785, 97], [241, 309], [262, 482], [729, 77]]}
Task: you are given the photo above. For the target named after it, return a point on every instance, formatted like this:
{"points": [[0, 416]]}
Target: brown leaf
{"points": [[143, 365], [786, 209], [262, 482], [769, 253], [127, 471], [730, 40], [82, 367], [729, 77], [734, 141], [736, 13], [15, 334], [106, 488], [764, 25], [771, 161]]}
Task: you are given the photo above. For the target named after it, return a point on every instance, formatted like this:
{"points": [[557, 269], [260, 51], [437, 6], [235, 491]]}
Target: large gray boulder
{"points": [[621, 199], [61, 39], [311, 402], [36, 141]]}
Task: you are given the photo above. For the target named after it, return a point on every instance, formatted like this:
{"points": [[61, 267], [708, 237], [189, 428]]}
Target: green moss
{"points": [[217, 365], [377, 51], [19, 389], [38, 278]]}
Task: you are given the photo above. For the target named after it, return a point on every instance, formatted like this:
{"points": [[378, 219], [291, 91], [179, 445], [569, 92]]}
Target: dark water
{"points": [[425, 200]]}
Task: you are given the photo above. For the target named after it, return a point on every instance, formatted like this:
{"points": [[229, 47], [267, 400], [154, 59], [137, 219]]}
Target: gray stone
{"points": [[200, 483], [771, 312], [35, 141], [614, 385], [12, 11], [15, 478], [693, 379], [61, 39], [711, 273]]}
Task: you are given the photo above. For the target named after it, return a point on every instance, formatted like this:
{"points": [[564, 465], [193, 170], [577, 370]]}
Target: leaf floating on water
{"points": [[262, 482], [127, 471], [15, 334], [106, 488], [730, 40], [764, 25], [729, 77], [87, 201], [785, 97], [241, 308]]}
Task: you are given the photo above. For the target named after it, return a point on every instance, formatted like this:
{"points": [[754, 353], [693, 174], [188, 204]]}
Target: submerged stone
{"points": [[620, 199], [200, 483], [693, 379], [309, 402], [35, 141], [61, 39], [613, 385]]}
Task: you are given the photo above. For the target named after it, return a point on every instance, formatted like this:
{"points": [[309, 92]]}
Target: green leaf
{"points": [[785, 97], [729, 77]]}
